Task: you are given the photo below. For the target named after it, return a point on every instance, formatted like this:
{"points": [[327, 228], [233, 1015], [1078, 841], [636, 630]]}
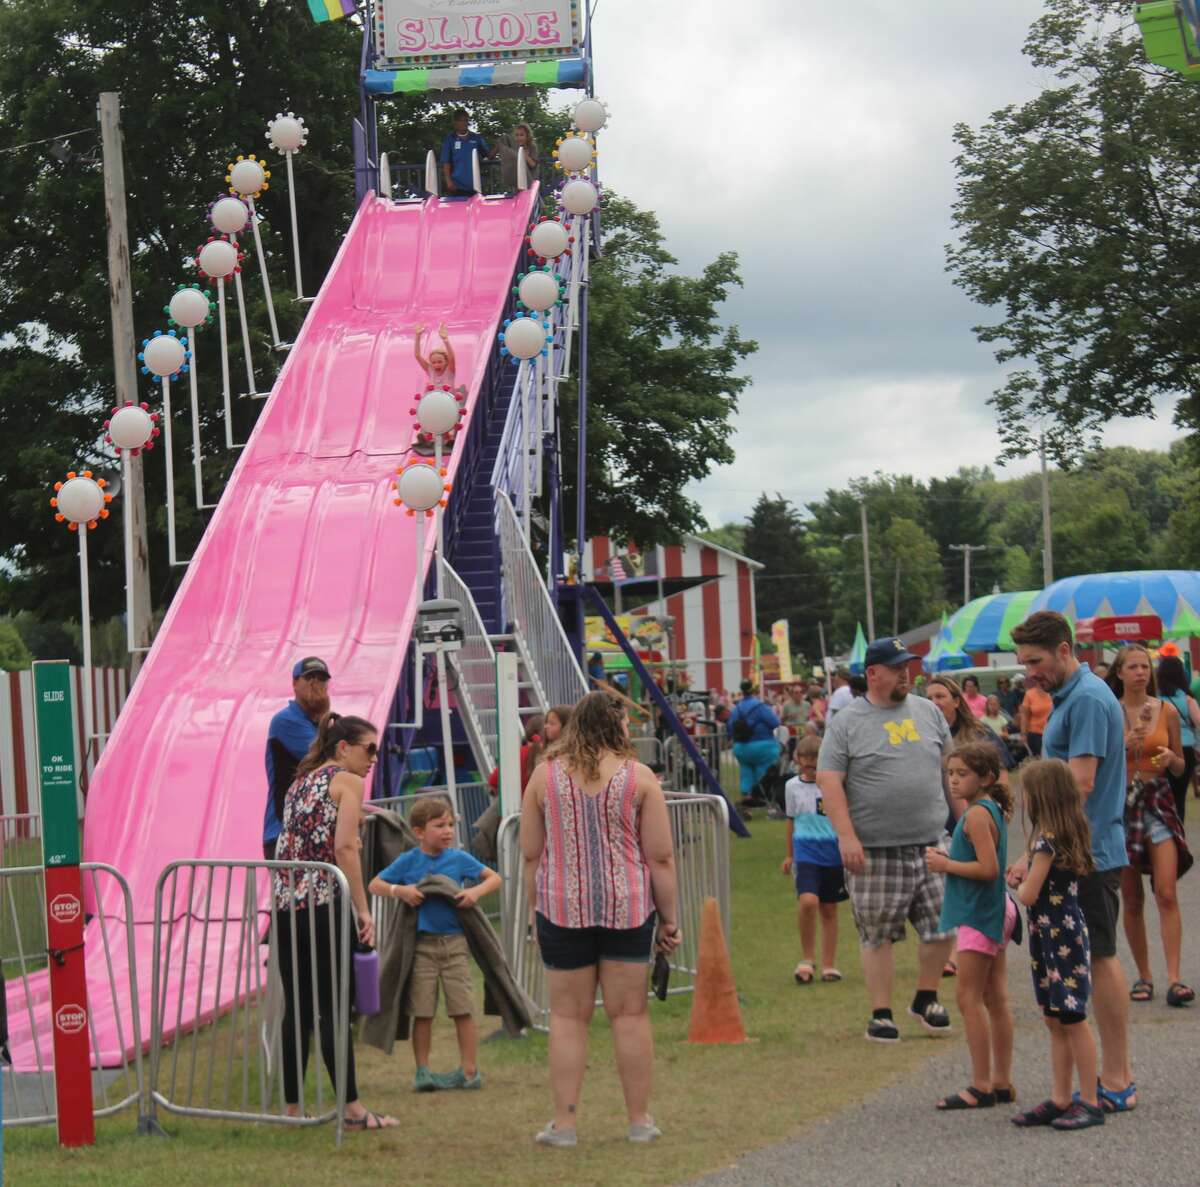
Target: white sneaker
{"points": [[646, 1132], [553, 1136]]}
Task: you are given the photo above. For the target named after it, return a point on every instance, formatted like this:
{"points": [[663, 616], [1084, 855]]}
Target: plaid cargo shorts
{"points": [[896, 886]]}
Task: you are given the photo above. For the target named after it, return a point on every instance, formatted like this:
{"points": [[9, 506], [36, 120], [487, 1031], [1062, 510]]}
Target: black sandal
{"points": [[1180, 994], [951, 1104], [370, 1122], [1142, 991], [1006, 1096]]}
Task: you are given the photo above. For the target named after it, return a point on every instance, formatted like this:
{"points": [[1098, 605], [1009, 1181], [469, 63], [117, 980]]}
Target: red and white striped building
{"points": [[19, 787], [707, 589]]}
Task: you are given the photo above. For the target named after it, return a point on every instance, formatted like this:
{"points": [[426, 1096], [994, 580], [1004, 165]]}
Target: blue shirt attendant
{"points": [[1086, 722]]}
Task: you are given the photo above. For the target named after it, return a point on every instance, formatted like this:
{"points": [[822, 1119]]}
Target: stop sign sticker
{"points": [[70, 1019], [64, 908]]}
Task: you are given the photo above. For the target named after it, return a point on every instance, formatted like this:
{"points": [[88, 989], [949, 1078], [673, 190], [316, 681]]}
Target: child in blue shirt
{"points": [[442, 957], [816, 861]]}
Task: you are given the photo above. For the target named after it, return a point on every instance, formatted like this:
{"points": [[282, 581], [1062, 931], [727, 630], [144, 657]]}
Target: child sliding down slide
{"points": [[439, 368]]}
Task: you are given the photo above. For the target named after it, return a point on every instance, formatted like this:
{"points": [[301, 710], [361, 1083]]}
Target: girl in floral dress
{"points": [[1060, 853]]}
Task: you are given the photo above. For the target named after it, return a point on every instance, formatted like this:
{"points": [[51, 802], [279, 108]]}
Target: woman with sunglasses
{"points": [[322, 812]]}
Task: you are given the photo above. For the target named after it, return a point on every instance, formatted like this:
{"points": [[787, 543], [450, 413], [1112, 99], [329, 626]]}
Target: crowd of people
{"points": [[900, 802], [599, 870], [1101, 813]]}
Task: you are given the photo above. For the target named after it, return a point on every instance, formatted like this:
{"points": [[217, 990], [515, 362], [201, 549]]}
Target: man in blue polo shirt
{"points": [[1086, 730], [289, 736], [455, 157]]}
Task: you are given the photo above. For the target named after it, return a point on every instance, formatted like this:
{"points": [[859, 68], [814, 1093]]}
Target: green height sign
{"points": [[57, 776]]}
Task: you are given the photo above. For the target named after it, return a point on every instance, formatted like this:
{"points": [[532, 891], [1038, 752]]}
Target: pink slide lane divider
{"points": [[305, 555]]}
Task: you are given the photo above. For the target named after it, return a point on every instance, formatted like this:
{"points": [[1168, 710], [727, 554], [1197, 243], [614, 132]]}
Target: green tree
{"points": [[730, 535], [1077, 219], [198, 80], [775, 537], [956, 513], [911, 577], [663, 382], [14, 655]]}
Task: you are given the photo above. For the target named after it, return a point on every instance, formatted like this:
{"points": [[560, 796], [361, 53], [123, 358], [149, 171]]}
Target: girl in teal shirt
{"points": [[977, 904]]}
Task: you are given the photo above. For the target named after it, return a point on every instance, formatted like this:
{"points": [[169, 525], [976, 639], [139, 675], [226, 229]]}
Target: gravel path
{"points": [[897, 1138]]}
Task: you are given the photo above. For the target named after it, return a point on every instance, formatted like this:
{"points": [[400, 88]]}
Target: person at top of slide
{"points": [[455, 156]]}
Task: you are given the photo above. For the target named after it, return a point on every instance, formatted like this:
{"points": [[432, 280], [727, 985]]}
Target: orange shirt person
{"points": [[1032, 717]]}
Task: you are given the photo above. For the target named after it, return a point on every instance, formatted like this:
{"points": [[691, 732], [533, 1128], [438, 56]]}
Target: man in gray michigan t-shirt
{"points": [[880, 775]]}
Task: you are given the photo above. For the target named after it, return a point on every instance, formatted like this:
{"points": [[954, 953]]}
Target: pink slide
{"points": [[306, 555]]}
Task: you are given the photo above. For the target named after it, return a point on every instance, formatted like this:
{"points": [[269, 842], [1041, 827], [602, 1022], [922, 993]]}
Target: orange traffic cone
{"points": [[716, 1015]]}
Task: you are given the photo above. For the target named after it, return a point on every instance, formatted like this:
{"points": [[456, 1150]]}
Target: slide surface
{"points": [[305, 555]]}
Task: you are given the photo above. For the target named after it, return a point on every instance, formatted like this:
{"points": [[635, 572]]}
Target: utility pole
{"points": [[120, 299], [896, 600], [862, 507], [824, 658], [966, 550], [1047, 538]]}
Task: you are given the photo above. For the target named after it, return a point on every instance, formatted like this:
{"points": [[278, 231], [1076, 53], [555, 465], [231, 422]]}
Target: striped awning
{"points": [[985, 624], [1172, 594], [556, 72]]}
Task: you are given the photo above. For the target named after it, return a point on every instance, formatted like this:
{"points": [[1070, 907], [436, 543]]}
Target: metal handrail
{"points": [[476, 696], [527, 605]]}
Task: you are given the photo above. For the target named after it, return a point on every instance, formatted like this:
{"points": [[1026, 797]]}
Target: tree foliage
{"points": [[1118, 509], [663, 382], [1077, 221], [198, 80]]}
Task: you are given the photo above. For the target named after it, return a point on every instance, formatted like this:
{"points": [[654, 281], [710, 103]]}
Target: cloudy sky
{"points": [[815, 140]]}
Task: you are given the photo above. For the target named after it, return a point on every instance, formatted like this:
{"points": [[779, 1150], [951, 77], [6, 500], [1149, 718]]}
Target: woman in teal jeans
{"points": [[752, 725]]}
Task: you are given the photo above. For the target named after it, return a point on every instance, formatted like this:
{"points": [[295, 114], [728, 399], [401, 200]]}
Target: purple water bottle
{"points": [[366, 981]]}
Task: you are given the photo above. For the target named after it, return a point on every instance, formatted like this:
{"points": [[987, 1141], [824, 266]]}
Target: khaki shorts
{"points": [[444, 959]]}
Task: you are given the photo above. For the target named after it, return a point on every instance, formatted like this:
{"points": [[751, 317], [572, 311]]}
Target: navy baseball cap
{"points": [[889, 651], [310, 665]]}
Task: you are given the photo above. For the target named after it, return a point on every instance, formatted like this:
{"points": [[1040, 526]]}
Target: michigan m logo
{"points": [[900, 732]]}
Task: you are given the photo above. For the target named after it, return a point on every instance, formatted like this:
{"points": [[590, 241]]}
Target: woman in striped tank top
{"points": [[600, 870]]}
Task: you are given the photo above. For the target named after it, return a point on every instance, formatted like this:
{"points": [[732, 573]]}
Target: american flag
{"points": [[616, 569]]}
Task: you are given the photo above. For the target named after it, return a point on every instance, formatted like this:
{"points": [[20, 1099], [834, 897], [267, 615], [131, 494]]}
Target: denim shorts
{"points": [[568, 948], [1156, 831]]}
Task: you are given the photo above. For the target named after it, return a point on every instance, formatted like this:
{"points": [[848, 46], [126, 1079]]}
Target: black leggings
{"points": [[1181, 783], [298, 973]]}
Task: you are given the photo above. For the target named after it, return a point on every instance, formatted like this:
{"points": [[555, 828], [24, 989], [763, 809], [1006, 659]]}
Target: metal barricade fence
{"points": [[220, 1003], [680, 773], [21, 846], [650, 750], [470, 801], [118, 1078], [700, 836]]}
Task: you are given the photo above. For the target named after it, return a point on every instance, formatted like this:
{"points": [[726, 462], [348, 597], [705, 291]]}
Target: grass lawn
{"points": [[806, 1058]]}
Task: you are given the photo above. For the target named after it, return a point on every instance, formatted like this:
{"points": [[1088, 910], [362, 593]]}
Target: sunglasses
{"points": [[371, 748]]}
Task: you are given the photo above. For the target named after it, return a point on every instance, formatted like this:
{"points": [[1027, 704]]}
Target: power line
{"points": [[48, 140]]}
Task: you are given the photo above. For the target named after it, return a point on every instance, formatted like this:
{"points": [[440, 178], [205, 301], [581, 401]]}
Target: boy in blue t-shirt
{"points": [[816, 860], [442, 956]]}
